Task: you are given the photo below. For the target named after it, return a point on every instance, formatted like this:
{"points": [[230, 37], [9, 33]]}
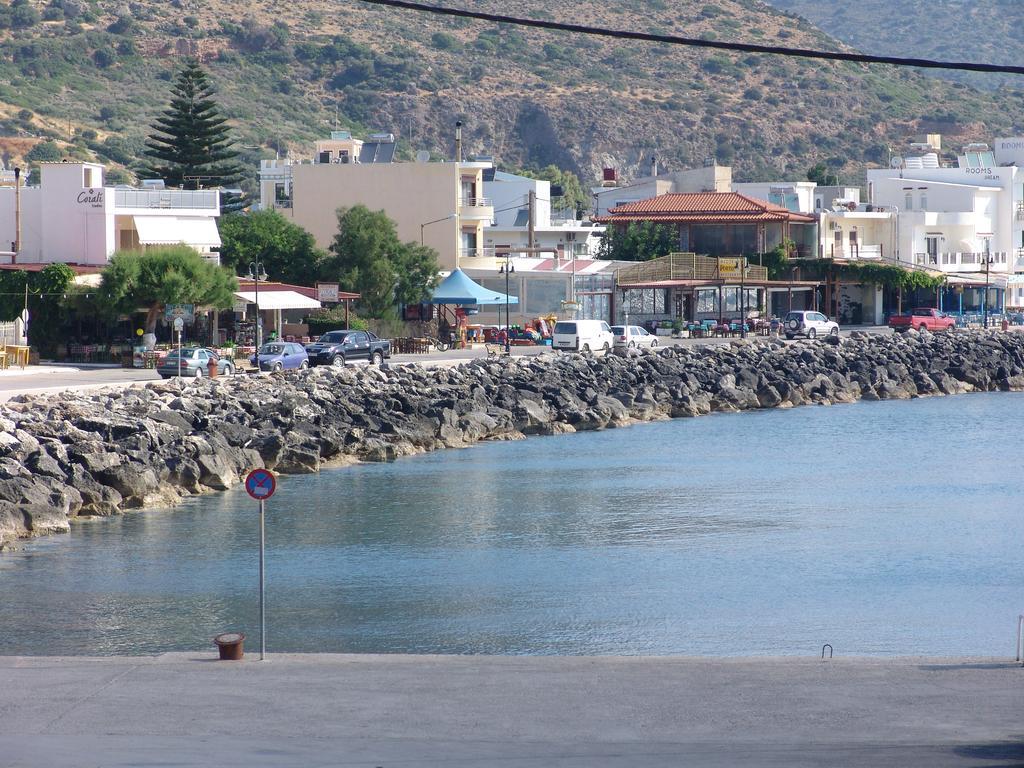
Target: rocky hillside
{"points": [[988, 31], [90, 75]]}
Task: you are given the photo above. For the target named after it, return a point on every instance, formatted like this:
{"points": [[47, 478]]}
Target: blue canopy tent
{"points": [[459, 288]]}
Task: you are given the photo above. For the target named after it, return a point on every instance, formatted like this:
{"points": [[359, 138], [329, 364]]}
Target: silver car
{"points": [[633, 337], [195, 362], [809, 324]]}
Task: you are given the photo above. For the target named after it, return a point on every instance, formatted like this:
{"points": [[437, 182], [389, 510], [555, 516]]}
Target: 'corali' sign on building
{"points": [[93, 198]]}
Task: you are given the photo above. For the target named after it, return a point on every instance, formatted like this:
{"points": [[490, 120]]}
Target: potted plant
{"points": [[677, 328]]}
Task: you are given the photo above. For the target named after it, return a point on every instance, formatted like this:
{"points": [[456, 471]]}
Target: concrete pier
{"points": [[514, 712]]}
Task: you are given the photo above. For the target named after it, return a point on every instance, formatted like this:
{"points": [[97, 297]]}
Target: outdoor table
{"points": [[17, 354]]}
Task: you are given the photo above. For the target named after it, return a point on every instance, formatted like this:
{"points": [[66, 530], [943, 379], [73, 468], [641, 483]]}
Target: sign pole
{"points": [[261, 484], [263, 604]]}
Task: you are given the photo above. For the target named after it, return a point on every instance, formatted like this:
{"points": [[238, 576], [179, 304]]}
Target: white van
{"points": [[582, 336]]}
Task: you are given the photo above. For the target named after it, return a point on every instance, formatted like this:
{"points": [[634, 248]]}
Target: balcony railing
{"points": [[856, 252], [166, 198], [477, 253], [476, 202], [968, 261], [681, 266]]}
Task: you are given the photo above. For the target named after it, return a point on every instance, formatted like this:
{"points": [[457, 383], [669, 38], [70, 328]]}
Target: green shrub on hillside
{"points": [[44, 151], [442, 41]]}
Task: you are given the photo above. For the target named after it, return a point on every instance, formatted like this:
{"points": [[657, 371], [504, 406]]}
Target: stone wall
{"points": [[101, 453]]}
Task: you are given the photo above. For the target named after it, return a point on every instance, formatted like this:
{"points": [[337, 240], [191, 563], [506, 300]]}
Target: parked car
{"points": [[809, 324], [338, 347], [923, 319], [281, 356], [582, 336], [632, 336], [195, 362]]}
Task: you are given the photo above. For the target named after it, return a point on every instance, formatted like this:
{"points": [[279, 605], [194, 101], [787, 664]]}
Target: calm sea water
{"points": [[880, 528]]}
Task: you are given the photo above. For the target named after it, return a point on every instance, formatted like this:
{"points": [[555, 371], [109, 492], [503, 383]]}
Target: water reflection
{"points": [[757, 533]]}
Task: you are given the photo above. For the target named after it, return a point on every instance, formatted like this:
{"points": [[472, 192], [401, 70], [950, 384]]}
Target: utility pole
{"points": [[530, 236], [17, 214]]}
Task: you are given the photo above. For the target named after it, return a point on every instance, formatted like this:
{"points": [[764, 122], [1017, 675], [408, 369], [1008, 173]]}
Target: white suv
{"points": [[809, 324]]}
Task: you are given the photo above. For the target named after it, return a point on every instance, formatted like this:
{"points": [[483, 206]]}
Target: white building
{"points": [[797, 196], [965, 220], [512, 197], [71, 217]]}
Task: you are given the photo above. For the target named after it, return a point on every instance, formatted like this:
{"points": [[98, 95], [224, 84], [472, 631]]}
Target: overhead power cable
{"points": [[774, 50]]}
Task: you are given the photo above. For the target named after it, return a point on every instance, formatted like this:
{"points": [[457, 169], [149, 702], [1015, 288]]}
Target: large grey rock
{"points": [[215, 472], [135, 483], [299, 459]]}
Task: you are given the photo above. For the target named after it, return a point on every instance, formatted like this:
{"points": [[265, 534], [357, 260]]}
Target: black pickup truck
{"points": [[338, 347]]}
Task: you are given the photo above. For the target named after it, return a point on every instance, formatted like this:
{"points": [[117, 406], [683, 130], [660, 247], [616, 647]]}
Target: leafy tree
{"points": [[820, 174], [287, 252], [417, 273], [22, 15], [169, 275], [190, 146], [777, 260], [324, 320], [104, 57], [639, 241], [123, 25], [368, 257], [45, 151], [45, 297], [572, 195]]}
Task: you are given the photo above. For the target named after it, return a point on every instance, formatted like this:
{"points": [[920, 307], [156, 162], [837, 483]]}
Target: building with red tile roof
{"points": [[720, 223]]}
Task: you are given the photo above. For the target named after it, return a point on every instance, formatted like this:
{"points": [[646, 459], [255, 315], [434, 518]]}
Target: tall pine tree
{"points": [[190, 146]]}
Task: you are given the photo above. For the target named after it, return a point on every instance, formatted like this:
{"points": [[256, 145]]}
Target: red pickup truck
{"points": [[923, 319]]}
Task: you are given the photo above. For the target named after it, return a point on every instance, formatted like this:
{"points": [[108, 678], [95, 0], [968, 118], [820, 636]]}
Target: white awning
{"points": [[198, 231], [977, 279], [278, 300]]}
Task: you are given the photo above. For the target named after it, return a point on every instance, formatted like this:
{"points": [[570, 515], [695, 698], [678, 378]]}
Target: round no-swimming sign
{"points": [[260, 484]]}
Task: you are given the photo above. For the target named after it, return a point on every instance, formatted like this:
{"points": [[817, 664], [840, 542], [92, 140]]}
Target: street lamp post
{"points": [[984, 299], [743, 297], [257, 274], [426, 224], [507, 268]]}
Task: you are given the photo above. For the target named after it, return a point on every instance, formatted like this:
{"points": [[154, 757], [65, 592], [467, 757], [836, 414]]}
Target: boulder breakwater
{"points": [[99, 453]]}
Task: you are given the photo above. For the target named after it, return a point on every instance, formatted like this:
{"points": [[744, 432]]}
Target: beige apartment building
{"points": [[440, 204], [443, 205]]}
